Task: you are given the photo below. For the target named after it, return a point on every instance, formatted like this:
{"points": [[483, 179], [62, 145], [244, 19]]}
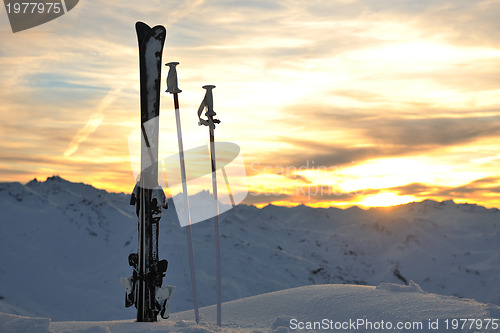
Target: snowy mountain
{"points": [[334, 308], [64, 246]]}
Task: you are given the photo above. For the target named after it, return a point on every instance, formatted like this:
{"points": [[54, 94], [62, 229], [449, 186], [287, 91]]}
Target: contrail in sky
{"points": [[93, 123]]}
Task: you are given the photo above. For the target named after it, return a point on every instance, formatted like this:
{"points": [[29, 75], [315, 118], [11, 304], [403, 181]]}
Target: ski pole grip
{"points": [[209, 100], [172, 78]]}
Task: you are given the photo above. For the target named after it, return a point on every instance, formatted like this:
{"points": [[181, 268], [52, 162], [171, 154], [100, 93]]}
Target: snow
{"points": [[64, 247], [282, 311], [15, 324]]}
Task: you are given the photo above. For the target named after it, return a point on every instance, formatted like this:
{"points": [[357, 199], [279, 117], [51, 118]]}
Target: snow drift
{"points": [[345, 308]]}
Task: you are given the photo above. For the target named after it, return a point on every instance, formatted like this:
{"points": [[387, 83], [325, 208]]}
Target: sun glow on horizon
{"points": [[385, 199]]}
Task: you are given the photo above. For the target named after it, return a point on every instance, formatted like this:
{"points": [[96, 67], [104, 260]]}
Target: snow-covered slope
{"points": [[346, 308], [63, 247]]}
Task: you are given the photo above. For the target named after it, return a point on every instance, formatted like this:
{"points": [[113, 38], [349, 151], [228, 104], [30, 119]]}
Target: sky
{"points": [[332, 103]]}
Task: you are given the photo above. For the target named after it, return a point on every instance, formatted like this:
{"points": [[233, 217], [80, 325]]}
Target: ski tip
{"points": [[161, 30], [172, 63], [143, 29], [141, 26]]}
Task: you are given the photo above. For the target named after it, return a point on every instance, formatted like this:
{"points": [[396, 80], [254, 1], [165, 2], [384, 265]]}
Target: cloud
{"points": [[474, 189], [332, 155], [375, 134], [308, 194], [432, 131], [93, 123], [466, 76], [464, 22], [83, 133], [327, 193], [254, 198], [300, 178]]}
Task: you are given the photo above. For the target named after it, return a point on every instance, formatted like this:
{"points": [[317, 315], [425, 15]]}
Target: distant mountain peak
{"points": [[53, 179], [56, 179]]}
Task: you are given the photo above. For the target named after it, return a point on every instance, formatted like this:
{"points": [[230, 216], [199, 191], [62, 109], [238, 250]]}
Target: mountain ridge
{"points": [[64, 243]]}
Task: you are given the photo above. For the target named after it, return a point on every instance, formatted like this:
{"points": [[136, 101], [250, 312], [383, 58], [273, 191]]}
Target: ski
{"points": [[144, 288]]}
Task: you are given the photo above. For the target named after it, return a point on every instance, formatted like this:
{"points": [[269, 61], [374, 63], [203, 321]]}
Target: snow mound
{"points": [[16, 324], [411, 287], [297, 309], [278, 311]]}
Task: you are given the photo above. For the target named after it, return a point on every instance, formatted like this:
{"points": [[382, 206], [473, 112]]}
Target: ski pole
{"points": [[210, 122], [228, 187], [173, 89]]}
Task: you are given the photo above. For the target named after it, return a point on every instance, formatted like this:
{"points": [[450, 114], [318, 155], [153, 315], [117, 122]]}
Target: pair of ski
{"points": [[144, 287]]}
